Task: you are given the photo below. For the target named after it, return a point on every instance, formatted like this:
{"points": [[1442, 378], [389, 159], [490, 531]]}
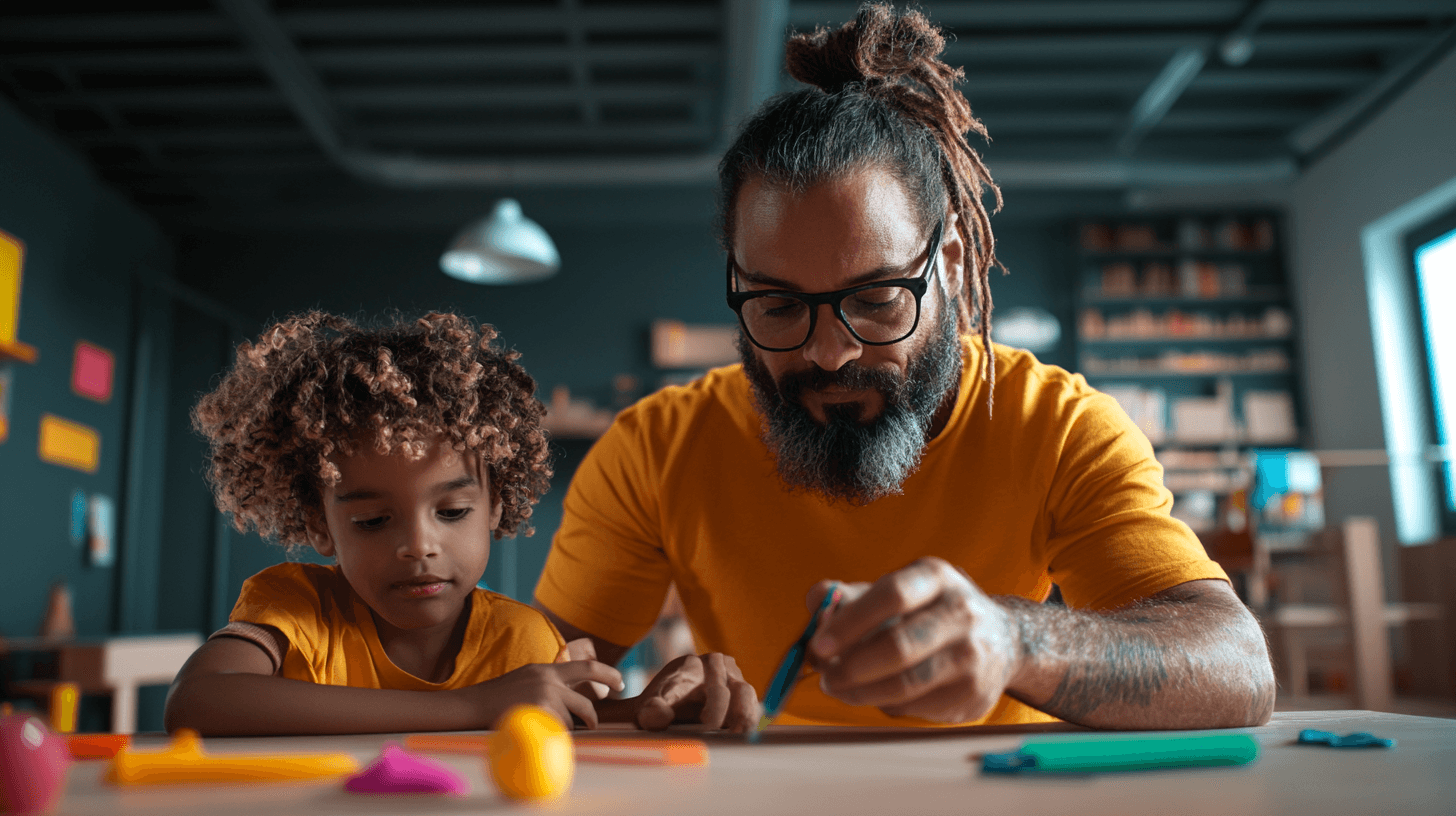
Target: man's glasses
{"points": [[877, 314]]}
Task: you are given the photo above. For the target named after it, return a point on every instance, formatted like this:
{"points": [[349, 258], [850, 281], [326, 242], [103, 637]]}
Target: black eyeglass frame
{"points": [[916, 285]]}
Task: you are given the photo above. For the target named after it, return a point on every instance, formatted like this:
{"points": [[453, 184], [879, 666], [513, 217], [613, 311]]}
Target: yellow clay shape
{"points": [[185, 762], [531, 755]]}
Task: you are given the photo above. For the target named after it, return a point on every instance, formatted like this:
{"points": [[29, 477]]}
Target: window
{"points": [[1433, 260]]}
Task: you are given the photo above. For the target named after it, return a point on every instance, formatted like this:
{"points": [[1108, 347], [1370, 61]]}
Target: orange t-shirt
{"points": [[1058, 486], [332, 639]]}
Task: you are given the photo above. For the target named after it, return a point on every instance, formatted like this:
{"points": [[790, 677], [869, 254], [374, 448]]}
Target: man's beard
{"points": [[845, 457]]}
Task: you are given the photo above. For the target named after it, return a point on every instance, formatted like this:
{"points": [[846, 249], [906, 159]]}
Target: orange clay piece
{"points": [[96, 746], [184, 762], [588, 749], [530, 755]]}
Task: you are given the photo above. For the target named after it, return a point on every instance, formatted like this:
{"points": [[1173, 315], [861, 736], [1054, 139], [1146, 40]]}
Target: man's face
{"points": [[842, 417]]}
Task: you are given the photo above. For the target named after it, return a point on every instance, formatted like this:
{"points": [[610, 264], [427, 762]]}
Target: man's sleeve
{"points": [[1113, 539], [607, 573]]}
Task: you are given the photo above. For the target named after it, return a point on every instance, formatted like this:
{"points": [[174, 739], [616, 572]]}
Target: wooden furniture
{"points": [[117, 665], [1428, 575], [848, 771], [1349, 558]]}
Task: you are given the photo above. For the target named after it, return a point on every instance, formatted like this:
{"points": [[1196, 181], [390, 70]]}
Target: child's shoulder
{"points": [[294, 580], [503, 612]]}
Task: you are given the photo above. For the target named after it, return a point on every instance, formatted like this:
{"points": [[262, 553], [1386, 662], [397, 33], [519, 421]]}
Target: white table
{"points": [[117, 665], [870, 771]]}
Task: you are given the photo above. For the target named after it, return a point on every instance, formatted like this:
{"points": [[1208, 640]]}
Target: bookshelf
{"points": [[1186, 319]]}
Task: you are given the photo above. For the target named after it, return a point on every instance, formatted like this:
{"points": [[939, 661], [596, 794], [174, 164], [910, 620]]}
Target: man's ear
{"points": [[318, 534], [953, 255]]}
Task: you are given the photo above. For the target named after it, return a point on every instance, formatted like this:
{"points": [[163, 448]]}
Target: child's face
{"points": [[412, 537]]}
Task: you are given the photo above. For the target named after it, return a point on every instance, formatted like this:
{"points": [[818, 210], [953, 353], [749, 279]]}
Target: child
{"points": [[397, 452]]}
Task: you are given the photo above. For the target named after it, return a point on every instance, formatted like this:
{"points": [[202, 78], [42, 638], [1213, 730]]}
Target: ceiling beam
{"points": [[1159, 96], [365, 24], [512, 134], [286, 65], [805, 14], [1317, 135], [291, 74], [392, 97], [581, 74], [375, 58]]}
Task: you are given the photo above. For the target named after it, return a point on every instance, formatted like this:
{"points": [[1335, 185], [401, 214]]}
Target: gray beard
{"points": [[848, 458]]}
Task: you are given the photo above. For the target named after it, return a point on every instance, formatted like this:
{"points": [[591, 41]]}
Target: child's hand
{"points": [[583, 649], [708, 689], [551, 686]]}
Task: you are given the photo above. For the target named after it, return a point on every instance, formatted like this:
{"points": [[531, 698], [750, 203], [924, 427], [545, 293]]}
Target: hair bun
{"points": [[878, 45]]}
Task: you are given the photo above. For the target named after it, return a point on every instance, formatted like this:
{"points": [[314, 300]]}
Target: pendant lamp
{"points": [[505, 247]]}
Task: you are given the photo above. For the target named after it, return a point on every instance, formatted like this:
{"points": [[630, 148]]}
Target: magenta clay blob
{"points": [[33, 763], [399, 771]]}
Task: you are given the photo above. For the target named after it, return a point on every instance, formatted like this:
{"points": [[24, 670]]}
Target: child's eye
{"points": [[371, 523], [454, 513]]}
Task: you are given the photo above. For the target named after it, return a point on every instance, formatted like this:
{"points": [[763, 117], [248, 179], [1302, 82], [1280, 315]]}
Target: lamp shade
{"points": [[504, 247]]}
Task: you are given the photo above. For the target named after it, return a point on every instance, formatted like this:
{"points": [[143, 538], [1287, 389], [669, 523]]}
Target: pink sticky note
{"points": [[92, 372]]}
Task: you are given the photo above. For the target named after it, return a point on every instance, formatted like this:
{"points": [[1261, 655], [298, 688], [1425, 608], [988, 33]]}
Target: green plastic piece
{"points": [[1141, 752]]}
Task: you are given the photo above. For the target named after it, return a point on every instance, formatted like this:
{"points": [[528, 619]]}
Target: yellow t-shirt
{"points": [[332, 639], [1059, 486]]}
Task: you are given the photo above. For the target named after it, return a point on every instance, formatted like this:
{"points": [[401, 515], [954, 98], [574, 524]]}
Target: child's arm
{"points": [[228, 687]]}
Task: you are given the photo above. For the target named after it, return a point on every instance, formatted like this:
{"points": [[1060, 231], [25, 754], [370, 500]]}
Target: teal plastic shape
{"points": [[1125, 753]]}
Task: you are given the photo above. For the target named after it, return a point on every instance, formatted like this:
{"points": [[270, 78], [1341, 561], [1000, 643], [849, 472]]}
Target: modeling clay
{"points": [[531, 754], [96, 746], [33, 763], [398, 771], [1359, 739], [184, 761], [588, 749], [65, 707]]}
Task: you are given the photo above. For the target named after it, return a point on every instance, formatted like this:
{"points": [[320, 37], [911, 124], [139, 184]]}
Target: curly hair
{"points": [[315, 385], [880, 96]]}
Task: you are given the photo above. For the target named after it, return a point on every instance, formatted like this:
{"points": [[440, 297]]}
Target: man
{"points": [[857, 443]]}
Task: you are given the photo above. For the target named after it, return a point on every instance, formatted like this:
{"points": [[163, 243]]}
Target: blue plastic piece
{"points": [[1359, 739]]}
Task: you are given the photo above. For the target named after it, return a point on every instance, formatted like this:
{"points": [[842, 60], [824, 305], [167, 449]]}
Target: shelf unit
{"points": [[1187, 318], [1193, 306]]}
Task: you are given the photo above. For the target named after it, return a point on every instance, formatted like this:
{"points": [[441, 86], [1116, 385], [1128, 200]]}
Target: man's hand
{"points": [[698, 688], [923, 641], [552, 686]]}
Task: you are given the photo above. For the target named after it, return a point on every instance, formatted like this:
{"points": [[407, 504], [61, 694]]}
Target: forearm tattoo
{"points": [[1129, 659]]}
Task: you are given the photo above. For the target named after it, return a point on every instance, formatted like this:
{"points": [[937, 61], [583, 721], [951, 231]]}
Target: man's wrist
{"points": [[1026, 640]]}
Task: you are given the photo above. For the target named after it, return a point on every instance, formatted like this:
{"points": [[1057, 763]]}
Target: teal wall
{"points": [[86, 249]]}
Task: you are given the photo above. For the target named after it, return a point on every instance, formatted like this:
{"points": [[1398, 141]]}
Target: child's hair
{"points": [[317, 384]]}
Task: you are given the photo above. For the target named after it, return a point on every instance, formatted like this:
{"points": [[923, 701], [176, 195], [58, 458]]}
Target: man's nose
{"points": [[831, 345]]}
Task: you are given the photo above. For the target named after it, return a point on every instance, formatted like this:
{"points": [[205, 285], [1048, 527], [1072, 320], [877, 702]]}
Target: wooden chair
{"points": [[1345, 563]]}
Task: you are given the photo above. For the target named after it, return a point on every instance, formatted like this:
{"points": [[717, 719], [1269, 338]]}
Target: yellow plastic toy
{"points": [[531, 755], [65, 707], [184, 762]]}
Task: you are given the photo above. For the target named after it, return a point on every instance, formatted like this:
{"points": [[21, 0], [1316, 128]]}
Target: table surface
{"points": [[848, 771]]}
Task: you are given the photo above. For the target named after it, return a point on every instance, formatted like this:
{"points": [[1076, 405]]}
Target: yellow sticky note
{"points": [[69, 444], [12, 257]]}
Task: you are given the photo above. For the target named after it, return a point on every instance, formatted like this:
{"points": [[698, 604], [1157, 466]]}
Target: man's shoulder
{"points": [[1029, 388], [720, 395]]}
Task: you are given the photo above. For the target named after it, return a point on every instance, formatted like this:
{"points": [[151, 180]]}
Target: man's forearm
{"points": [[1191, 657]]}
